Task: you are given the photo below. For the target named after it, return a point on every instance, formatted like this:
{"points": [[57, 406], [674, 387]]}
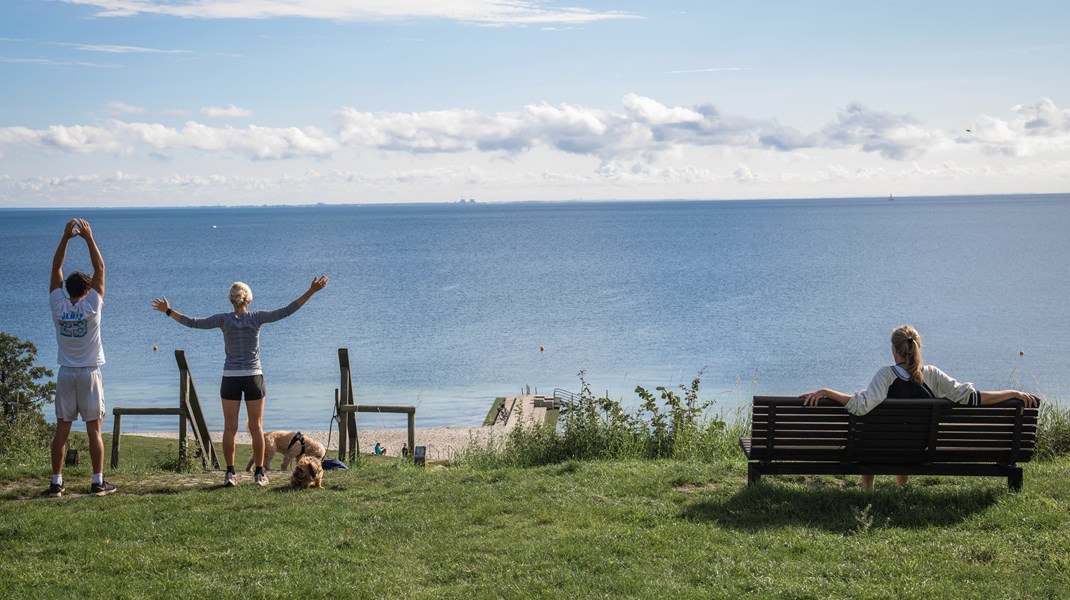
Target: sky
{"points": [[235, 102]]}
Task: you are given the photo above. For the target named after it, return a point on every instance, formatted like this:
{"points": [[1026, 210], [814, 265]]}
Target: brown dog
{"points": [[291, 445], [308, 473]]}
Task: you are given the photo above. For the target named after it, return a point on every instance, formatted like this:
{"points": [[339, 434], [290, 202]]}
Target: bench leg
{"points": [[1014, 479], [754, 474]]}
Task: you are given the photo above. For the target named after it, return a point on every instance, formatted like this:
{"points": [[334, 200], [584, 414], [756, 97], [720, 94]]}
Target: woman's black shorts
{"points": [[252, 386]]}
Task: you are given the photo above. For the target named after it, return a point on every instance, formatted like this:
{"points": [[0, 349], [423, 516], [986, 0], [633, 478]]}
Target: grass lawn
{"points": [[645, 529]]}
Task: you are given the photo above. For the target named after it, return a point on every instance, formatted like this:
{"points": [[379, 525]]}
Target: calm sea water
{"points": [[446, 306]]}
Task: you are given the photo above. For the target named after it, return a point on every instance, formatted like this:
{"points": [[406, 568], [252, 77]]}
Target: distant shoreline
{"points": [[467, 206]]}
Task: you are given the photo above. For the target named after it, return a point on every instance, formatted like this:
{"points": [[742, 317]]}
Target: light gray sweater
{"points": [[942, 386], [241, 336]]}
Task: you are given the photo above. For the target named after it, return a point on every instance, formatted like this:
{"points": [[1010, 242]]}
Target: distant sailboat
{"points": [[890, 198]]}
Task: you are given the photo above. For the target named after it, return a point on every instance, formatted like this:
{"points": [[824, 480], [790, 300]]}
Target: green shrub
{"points": [[669, 423], [23, 429]]}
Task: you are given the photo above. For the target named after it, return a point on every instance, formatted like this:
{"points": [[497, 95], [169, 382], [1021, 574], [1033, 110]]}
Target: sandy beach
{"points": [[443, 443]]}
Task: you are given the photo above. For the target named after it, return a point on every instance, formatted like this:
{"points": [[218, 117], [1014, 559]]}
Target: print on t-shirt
{"points": [[73, 325]]}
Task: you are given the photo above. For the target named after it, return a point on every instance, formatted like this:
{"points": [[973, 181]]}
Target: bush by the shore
{"points": [[668, 424]]}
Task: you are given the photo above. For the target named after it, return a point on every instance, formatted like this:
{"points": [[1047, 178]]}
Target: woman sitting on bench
{"points": [[909, 378]]}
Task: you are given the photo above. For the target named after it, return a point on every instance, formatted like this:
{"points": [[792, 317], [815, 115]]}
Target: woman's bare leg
{"points": [[230, 429], [902, 480], [255, 408], [867, 482]]}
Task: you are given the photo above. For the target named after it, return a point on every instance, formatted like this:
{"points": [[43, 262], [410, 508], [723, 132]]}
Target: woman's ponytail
{"points": [[907, 343]]}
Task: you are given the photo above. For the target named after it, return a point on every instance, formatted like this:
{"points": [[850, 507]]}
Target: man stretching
{"points": [[79, 386]]}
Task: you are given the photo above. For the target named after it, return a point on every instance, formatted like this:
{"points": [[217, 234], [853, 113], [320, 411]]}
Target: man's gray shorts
{"points": [[79, 390]]}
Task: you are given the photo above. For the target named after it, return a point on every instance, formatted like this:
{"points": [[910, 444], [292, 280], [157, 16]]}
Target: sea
{"points": [[447, 306]]}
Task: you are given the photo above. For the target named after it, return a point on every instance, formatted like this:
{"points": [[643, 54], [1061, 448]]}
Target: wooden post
{"points": [[412, 432], [189, 401], [115, 431], [182, 431], [350, 425]]}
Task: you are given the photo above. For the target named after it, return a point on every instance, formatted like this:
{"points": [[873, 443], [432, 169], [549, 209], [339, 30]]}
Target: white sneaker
{"points": [[230, 479], [260, 479]]}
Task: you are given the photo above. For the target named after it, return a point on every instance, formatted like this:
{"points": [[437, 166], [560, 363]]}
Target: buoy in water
{"points": [[155, 348], [542, 348], [1021, 353]]}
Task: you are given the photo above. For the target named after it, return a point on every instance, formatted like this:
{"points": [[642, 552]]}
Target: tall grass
{"points": [[1053, 431], [669, 423]]}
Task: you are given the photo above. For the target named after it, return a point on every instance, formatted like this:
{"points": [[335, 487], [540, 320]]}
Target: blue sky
{"points": [[150, 103]]}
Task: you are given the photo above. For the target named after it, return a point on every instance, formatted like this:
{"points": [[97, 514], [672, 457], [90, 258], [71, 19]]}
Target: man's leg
{"points": [[867, 482], [96, 445], [59, 443]]}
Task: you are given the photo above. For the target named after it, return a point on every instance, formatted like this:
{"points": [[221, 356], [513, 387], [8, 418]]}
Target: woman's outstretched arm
{"points": [[861, 402], [162, 305], [318, 283], [270, 316], [812, 398], [1030, 400]]}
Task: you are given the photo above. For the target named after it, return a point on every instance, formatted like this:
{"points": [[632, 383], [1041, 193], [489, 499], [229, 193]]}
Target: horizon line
{"points": [[536, 201]]}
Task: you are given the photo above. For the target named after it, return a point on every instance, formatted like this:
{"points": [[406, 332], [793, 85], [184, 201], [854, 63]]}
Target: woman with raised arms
{"points": [[242, 375]]}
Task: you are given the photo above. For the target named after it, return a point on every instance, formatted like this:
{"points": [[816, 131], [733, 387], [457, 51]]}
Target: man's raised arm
{"points": [[94, 256], [69, 230]]}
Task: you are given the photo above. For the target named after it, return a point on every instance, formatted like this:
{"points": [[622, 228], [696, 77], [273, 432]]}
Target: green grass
{"points": [[627, 528]]}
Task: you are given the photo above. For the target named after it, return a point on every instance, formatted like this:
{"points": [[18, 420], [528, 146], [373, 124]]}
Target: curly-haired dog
{"points": [[308, 473], [291, 445]]}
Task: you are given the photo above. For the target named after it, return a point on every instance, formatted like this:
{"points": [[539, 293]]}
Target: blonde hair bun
{"points": [[240, 294]]}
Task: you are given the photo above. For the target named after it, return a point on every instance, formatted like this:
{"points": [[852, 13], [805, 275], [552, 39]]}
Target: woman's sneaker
{"points": [[55, 490], [230, 479], [260, 479], [101, 489]]}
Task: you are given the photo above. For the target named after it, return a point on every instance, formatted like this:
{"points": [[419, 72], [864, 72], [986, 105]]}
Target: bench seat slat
{"points": [[839, 419], [812, 425]]}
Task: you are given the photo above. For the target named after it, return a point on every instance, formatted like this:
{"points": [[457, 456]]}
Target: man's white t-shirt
{"points": [[77, 329]]}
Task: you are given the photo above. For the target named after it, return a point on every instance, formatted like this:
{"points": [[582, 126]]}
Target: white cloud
{"points": [[77, 138], [1037, 128], [56, 63], [252, 141], [229, 111], [644, 130], [487, 12], [122, 108], [709, 70], [123, 138], [898, 137], [114, 49]]}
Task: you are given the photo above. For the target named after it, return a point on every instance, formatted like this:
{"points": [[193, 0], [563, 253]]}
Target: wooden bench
{"points": [[909, 437]]}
